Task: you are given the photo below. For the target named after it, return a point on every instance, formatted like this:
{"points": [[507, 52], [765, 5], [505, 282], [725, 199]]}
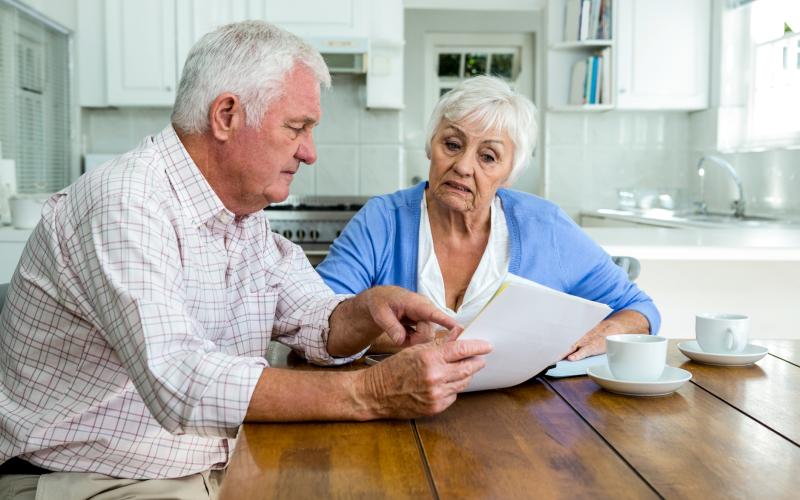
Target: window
{"points": [[760, 74], [452, 58], [34, 100]]}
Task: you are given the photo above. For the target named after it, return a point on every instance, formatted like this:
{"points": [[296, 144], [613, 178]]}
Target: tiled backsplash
{"points": [[360, 151], [591, 155]]}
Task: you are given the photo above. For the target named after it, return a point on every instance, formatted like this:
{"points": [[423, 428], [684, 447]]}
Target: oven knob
{"points": [[301, 235], [314, 234], [287, 233]]}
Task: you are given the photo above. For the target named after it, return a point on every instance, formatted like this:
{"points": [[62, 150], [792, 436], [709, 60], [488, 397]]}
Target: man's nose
{"points": [[307, 151]]}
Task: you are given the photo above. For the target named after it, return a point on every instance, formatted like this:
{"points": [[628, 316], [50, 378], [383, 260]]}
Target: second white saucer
{"points": [[752, 353], [670, 381]]}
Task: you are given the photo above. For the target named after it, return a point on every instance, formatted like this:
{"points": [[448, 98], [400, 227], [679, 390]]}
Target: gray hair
{"points": [[495, 106], [249, 59]]}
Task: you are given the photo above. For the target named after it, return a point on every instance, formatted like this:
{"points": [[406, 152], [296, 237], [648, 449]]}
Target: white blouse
{"points": [[488, 277]]}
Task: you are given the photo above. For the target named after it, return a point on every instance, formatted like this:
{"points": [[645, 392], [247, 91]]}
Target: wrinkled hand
{"points": [[594, 342], [591, 344], [407, 318], [424, 379]]}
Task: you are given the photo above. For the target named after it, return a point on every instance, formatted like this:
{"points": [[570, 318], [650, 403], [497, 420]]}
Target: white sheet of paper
{"points": [[530, 326]]}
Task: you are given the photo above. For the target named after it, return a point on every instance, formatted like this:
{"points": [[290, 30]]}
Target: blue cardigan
{"points": [[379, 247]]}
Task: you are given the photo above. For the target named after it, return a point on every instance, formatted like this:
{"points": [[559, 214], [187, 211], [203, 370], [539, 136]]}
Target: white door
{"points": [[140, 52]]}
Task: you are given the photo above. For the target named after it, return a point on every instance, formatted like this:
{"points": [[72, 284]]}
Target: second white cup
{"points": [[722, 333], [635, 357]]}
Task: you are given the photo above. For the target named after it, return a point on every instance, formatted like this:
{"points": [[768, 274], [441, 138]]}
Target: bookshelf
{"points": [[563, 53]]}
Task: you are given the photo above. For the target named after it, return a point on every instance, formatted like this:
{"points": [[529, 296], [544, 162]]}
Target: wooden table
{"points": [[731, 432]]}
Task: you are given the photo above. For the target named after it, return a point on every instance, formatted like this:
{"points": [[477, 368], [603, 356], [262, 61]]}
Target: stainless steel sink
{"points": [[749, 220], [688, 218]]}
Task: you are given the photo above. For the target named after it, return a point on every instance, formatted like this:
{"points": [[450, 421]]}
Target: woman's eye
{"points": [[488, 158], [452, 146]]}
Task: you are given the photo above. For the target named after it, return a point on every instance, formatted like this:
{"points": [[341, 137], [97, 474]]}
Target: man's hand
{"points": [[421, 380], [407, 318], [594, 342]]}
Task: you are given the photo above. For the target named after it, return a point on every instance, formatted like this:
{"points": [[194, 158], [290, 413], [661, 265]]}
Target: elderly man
{"points": [[132, 342]]}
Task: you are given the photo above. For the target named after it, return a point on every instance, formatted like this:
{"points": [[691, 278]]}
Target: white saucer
{"points": [[670, 381], [748, 356]]}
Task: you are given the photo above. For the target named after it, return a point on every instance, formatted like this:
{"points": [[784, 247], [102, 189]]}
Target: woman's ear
{"points": [[225, 115]]}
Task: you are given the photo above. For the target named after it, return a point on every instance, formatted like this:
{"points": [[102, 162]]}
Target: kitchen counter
{"points": [[699, 244]]}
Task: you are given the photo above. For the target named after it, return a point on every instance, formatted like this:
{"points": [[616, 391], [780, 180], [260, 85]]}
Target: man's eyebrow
{"points": [[307, 120]]}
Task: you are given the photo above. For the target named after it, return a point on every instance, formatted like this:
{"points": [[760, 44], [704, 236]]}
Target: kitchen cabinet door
{"points": [[140, 52], [198, 17], [663, 54], [320, 18]]}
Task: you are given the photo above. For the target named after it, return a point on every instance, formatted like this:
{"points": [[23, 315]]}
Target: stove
{"points": [[313, 222]]}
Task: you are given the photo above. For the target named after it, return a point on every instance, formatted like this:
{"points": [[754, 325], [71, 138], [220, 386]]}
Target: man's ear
{"points": [[225, 115]]}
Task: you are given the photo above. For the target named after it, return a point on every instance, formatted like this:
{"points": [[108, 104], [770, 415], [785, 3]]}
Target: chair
{"points": [[628, 264]]}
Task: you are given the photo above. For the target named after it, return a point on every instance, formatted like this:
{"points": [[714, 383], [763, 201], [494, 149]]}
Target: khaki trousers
{"points": [[82, 486]]}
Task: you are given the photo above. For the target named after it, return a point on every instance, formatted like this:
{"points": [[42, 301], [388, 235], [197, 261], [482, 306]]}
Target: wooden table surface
{"points": [[730, 432]]}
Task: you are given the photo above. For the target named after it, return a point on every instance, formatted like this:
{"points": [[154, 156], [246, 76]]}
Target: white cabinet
{"points": [[663, 54], [320, 18], [140, 52], [198, 17], [147, 42]]}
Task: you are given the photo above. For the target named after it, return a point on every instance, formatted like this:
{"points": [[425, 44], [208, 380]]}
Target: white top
{"points": [[488, 277]]}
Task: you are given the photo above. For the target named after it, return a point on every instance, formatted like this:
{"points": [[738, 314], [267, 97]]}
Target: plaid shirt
{"points": [[138, 320]]}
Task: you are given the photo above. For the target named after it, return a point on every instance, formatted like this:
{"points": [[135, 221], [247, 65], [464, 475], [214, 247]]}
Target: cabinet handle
{"points": [[169, 89], [622, 90]]}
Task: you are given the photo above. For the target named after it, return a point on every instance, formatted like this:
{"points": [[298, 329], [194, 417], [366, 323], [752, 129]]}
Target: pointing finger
{"points": [[460, 349]]}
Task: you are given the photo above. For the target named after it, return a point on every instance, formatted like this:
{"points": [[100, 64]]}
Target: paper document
{"points": [[530, 327]]}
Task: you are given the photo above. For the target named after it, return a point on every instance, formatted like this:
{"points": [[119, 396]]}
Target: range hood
{"points": [[343, 55]]}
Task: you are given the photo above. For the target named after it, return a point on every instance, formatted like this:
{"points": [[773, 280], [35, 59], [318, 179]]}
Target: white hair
{"points": [[249, 59], [494, 105]]}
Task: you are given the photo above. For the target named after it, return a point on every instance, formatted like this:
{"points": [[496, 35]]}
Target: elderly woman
{"points": [[455, 237]]}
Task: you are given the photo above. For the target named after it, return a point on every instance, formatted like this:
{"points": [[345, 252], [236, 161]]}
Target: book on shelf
{"points": [[590, 81], [578, 83], [587, 20], [605, 80]]}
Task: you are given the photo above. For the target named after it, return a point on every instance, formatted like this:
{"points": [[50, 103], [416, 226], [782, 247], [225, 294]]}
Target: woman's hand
{"points": [[594, 342]]}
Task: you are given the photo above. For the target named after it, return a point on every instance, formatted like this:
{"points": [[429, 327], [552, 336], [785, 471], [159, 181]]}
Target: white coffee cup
{"points": [[636, 357], [722, 333], [26, 210]]}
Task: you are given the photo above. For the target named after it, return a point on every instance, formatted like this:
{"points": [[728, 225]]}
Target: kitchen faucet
{"points": [[737, 204]]}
